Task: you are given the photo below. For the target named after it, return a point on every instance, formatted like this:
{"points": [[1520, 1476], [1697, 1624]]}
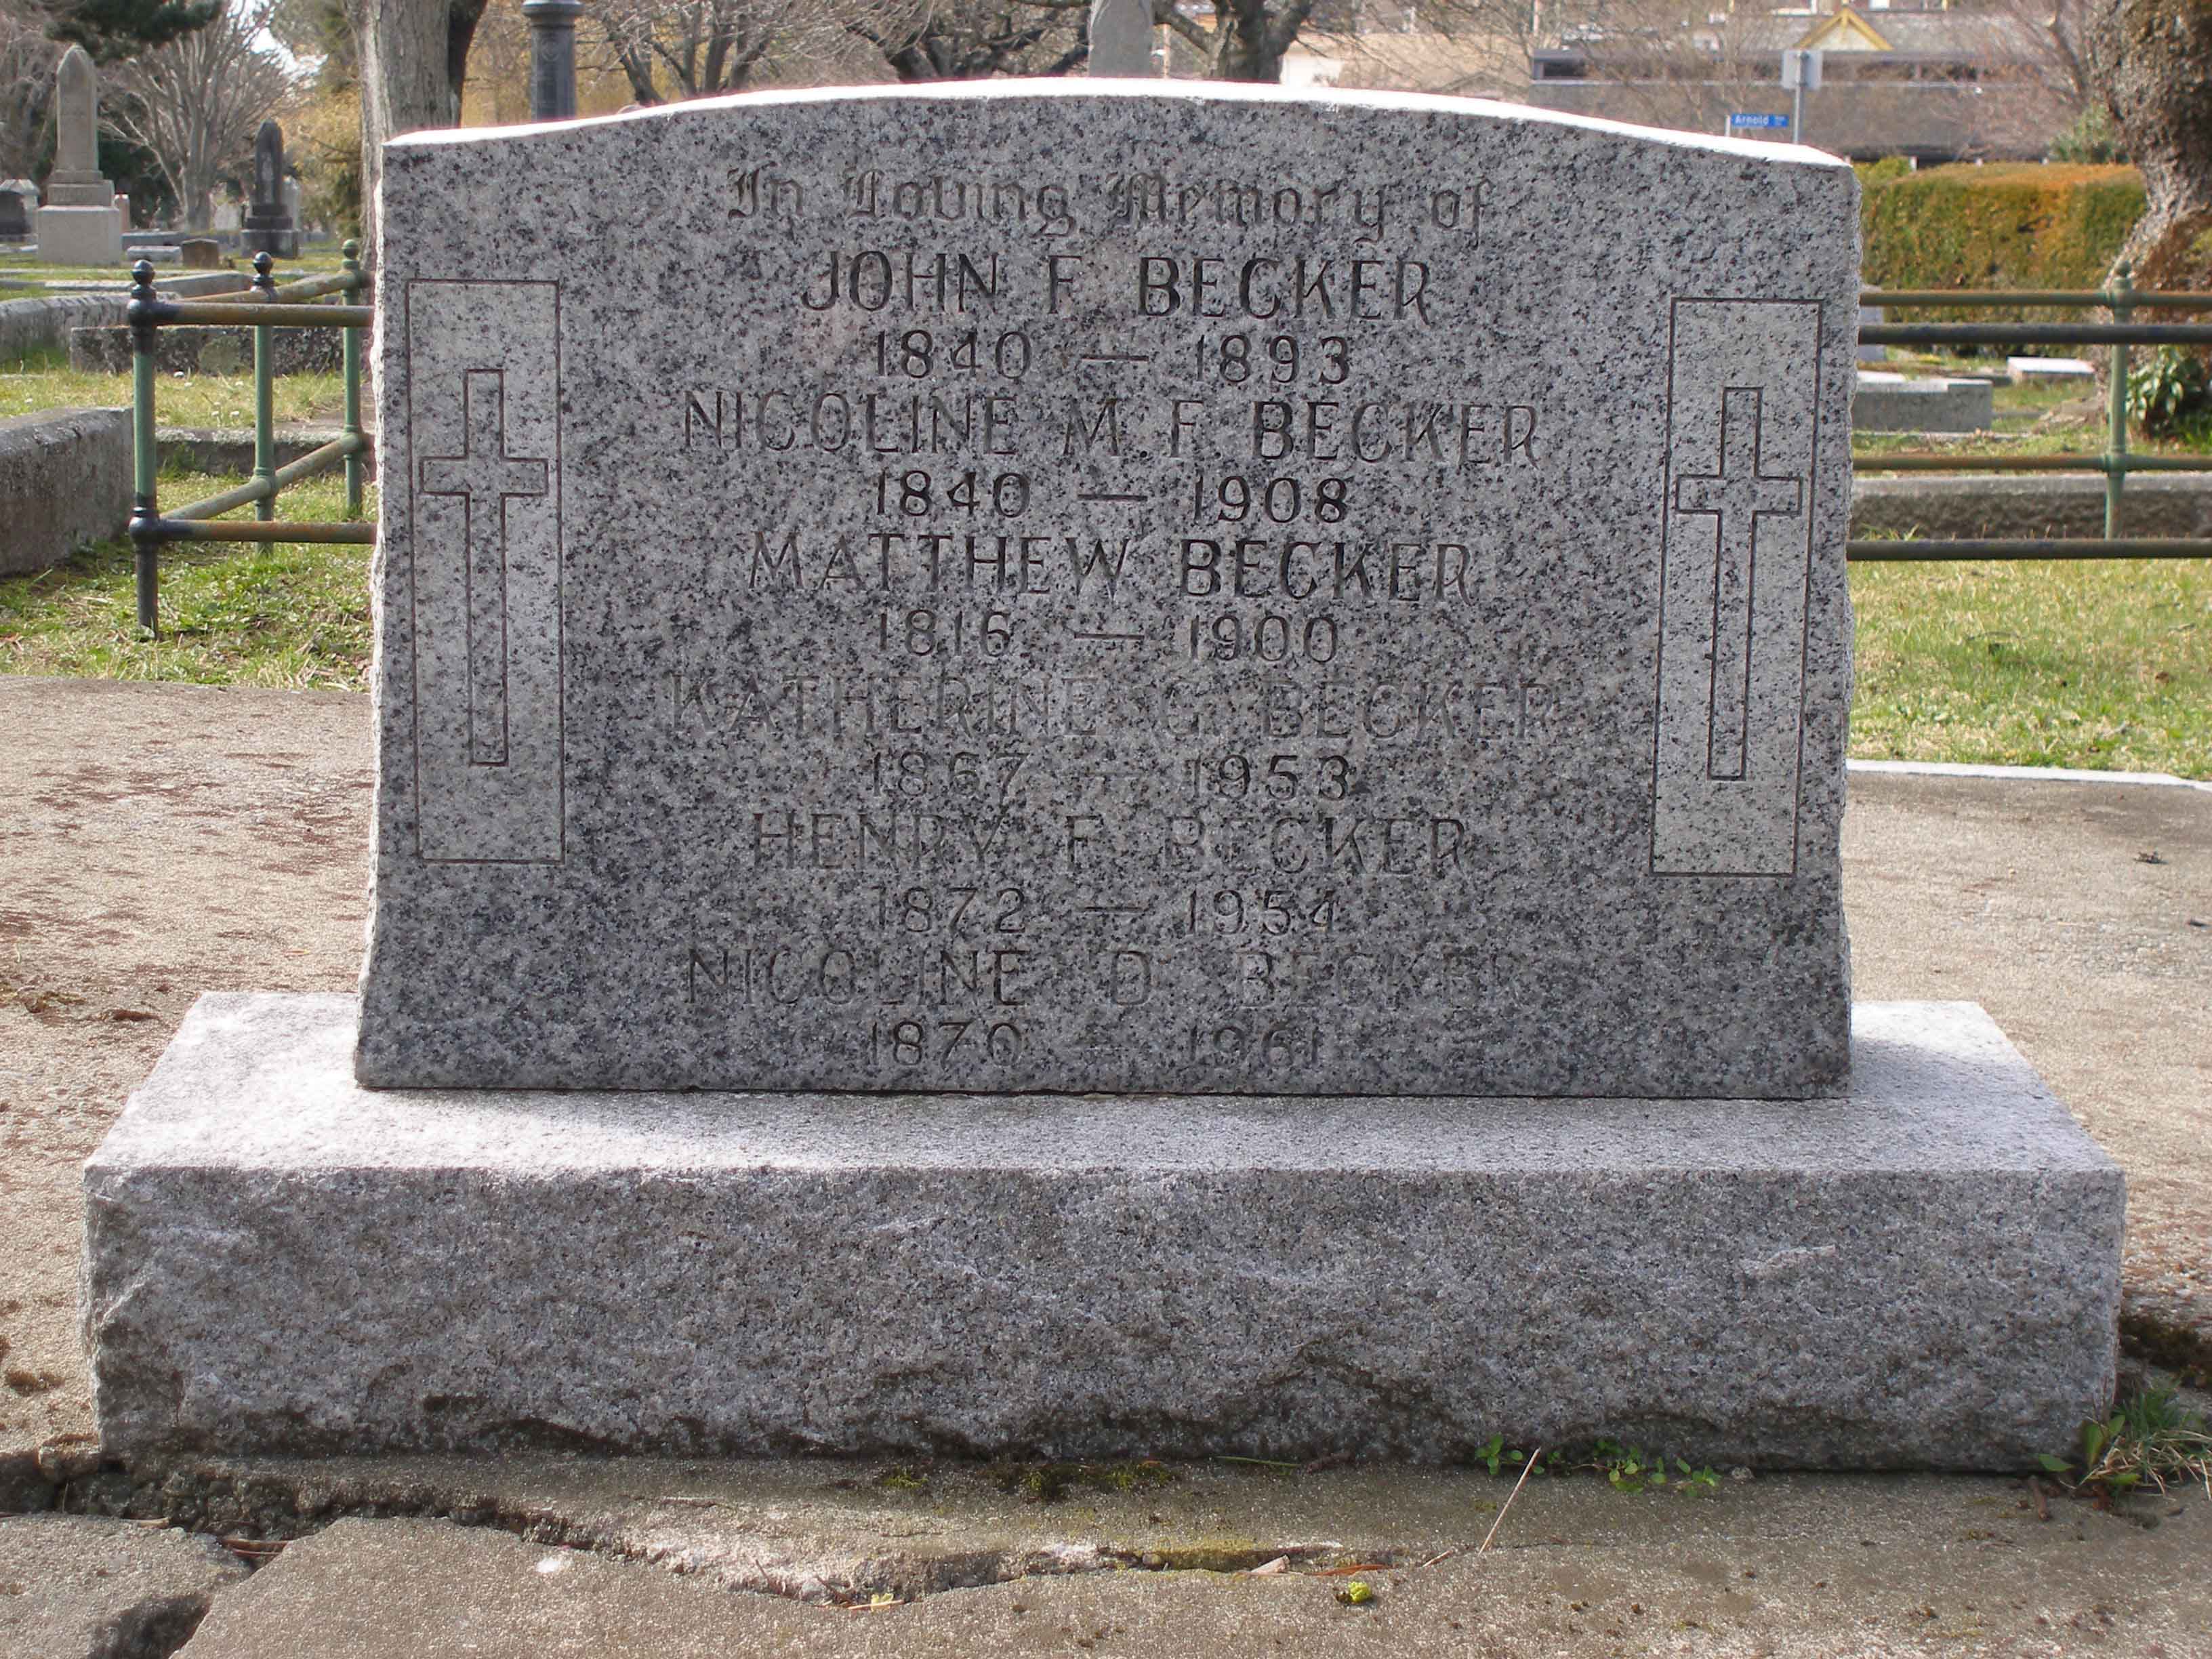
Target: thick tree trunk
{"points": [[462, 17], [2152, 61], [405, 86], [1251, 37]]}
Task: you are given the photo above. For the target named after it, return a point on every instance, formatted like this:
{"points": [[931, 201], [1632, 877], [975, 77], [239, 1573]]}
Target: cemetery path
{"points": [[155, 841], [1806, 1567]]}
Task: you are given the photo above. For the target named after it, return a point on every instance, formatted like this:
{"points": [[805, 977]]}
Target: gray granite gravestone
{"points": [[82, 223], [1047, 625], [1213, 722], [269, 227]]}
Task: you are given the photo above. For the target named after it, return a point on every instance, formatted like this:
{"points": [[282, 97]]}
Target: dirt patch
{"points": [[159, 841]]}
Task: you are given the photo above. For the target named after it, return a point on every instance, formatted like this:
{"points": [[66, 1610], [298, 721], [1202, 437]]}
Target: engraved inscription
{"points": [[485, 479], [1119, 615], [1736, 497]]}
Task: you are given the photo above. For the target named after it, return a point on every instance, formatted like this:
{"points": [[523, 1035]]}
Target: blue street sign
{"points": [[1759, 120]]}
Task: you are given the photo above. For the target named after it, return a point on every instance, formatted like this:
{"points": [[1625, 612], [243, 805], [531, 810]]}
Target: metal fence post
{"points": [[350, 346], [552, 57], [2116, 457], [145, 456], [265, 396]]}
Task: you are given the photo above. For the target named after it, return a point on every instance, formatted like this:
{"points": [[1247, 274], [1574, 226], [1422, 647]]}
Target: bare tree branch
{"points": [[196, 103], [973, 40], [698, 48], [26, 89]]}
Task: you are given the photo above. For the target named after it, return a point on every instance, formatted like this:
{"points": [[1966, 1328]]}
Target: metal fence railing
{"points": [[271, 307], [2114, 461]]}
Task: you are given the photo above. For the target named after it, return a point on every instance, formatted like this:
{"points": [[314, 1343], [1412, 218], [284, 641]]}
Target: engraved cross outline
{"points": [[1736, 498], [484, 478]]}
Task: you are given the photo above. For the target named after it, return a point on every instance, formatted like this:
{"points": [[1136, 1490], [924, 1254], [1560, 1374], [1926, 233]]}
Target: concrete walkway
{"points": [[160, 841]]}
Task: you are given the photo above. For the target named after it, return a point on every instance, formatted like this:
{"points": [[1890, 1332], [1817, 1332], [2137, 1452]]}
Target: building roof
{"points": [[1985, 37]]}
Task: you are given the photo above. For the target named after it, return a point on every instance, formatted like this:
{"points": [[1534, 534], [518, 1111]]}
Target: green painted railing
{"points": [[2114, 461], [271, 307]]}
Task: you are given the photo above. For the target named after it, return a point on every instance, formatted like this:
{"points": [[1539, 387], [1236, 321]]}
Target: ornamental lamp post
{"points": [[552, 57]]}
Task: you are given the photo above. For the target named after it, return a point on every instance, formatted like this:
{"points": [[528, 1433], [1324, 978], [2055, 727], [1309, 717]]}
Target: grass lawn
{"points": [[2099, 663], [320, 259], [204, 400], [231, 614]]}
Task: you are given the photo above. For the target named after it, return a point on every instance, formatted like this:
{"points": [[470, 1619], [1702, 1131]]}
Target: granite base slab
{"points": [[80, 235], [1924, 1272]]}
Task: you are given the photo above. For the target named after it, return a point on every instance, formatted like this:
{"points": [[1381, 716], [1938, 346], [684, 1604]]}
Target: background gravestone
{"points": [[269, 226], [82, 221], [1064, 626], [1120, 38], [18, 197]]}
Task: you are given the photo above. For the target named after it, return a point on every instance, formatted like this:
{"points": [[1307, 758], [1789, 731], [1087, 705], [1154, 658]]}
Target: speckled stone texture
{"points": [[1194, 589], [1925, 1270]]}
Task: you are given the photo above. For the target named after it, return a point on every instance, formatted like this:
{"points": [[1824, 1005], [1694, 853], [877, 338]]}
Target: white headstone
{"points": [[1121, 37], [82, 221]]}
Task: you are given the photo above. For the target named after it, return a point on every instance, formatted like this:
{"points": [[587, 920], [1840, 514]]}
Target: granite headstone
{"points": [[1049, 614], [1284, 612]]}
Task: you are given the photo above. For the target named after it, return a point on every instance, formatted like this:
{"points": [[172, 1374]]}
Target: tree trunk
{"points": [[462, 17], [403, 87], [1251, 37], [2151, 60], [636, 61], [1244, 49]]}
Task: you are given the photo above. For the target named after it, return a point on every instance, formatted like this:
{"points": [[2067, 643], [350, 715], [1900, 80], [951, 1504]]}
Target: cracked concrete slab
{"points": [[1806, 1565], [81, 1587]]}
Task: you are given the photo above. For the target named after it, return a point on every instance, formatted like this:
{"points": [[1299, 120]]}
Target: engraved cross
{"points": [[1736, 498], [485, 477]]}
